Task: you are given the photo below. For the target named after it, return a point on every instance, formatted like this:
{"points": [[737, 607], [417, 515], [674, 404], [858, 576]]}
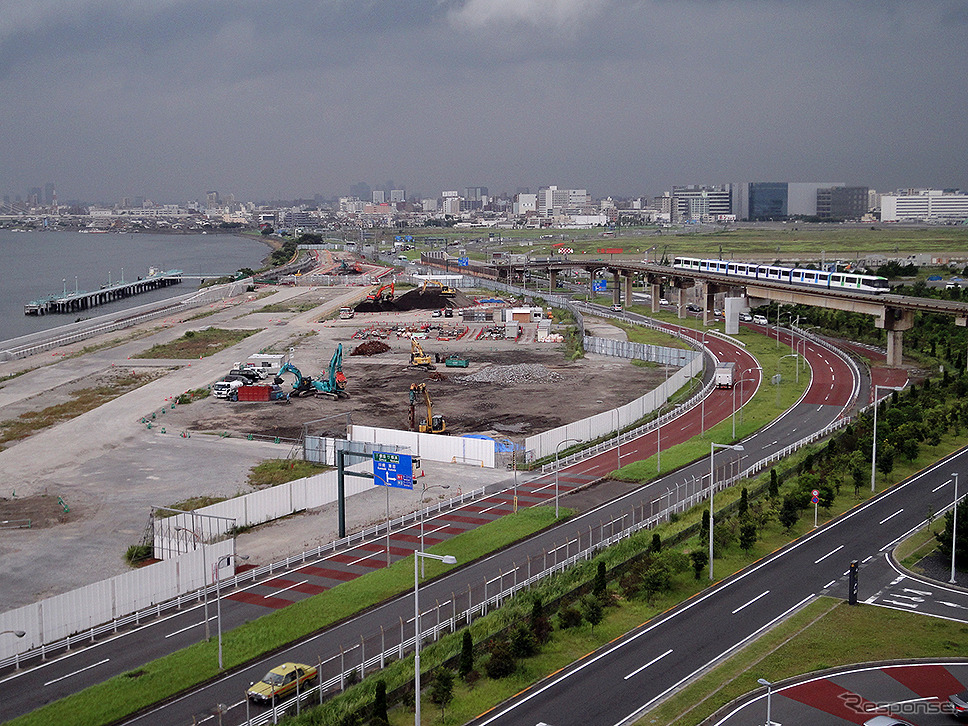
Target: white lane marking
{"points": [[918, 592], [829, 584], [189, 627], [904, 604], [85, 668], [867, 559], [891, 517], [952, 604], [817, 562], [940, 486], [751, 602], [912, 598], [642, 668], [295, 584]]}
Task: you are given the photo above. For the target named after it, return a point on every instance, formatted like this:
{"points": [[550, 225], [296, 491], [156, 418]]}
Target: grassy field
{"points": [[197, 344], [81, 401], [271, 472], [159, 679]]}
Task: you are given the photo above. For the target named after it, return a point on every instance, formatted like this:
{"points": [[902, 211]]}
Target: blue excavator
{"points": [[332, 387]]}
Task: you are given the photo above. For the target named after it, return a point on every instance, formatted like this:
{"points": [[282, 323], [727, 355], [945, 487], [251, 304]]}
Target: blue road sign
{"points": [[392, 470], [463, 261], [600, 285]]}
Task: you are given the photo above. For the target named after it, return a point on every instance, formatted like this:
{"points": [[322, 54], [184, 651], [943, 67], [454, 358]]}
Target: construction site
{"points": [[476, 372]]}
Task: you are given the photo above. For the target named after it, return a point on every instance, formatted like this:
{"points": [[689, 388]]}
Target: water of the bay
{"points": [[36, 264]]}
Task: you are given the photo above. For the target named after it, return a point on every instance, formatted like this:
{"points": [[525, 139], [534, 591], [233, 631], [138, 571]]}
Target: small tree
{"points": [[501, 663], [789, 513], [774, 484], [569, 617], [540, 625], [744, 502], [442, 689], [593, 611], [699, 559], [466, 663], [380, 715], [656, 545], [747, 536], [859, 477], [523, 642], [600, 588]]}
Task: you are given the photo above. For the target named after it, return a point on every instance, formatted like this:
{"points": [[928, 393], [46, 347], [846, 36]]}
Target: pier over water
{"points": [[75, 301]]}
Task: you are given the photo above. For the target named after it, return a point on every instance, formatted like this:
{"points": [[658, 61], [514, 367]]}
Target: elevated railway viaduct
{"points": [[893, 313]]}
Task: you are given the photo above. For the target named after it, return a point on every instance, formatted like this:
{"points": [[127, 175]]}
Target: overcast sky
{"points": [[274, 100]]}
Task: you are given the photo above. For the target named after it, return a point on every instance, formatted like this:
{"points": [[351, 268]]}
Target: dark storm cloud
{"points": [[269, 99]]}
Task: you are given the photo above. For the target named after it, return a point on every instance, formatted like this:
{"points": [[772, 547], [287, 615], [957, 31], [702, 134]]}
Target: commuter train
{"points": [[847, 281]]}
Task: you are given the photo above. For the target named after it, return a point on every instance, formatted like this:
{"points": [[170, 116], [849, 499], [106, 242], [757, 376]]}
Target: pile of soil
{"points": [[371, 347], [431, 299]]}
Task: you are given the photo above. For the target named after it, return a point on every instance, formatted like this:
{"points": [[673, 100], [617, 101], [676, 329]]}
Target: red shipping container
{"points": [[253, 393]]}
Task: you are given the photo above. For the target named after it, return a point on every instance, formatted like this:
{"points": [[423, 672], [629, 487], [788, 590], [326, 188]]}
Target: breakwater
{"points": [[71, 302]]}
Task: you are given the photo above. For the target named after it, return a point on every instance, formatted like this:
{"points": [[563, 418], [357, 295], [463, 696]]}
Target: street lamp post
{"points": [[741, 381], [219, 564], [874, 444], [198, 541], [446, 559], [557, 450], [15, 633], [954, 529], [769, 699], [712, 488], [422, 510]]}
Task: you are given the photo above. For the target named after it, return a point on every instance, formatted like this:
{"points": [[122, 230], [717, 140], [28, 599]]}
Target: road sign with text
{"points": [[392, 470]]}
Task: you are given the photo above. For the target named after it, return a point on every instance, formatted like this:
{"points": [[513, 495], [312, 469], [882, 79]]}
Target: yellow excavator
{"points": [[430, 425], [419, 359], [441, 287]]}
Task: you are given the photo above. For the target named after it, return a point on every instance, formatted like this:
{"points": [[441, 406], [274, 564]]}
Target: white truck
{"points": [[724, 374], [225, 389]]}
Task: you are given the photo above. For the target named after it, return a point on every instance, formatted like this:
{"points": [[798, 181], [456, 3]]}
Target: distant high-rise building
{"points": [[767, 200], [552, 201], [698, 202], [924, 204], [49, 194], [398, 195], [211, 200], [842, 202], [379, 196]]}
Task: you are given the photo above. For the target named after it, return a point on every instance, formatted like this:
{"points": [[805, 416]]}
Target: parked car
{"points": [[616, 308], [959, 705], [760, 320], [281, 681], [745, 318], [693, 308]]}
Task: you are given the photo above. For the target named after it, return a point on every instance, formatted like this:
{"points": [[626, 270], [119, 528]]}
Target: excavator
{"points": [[333, 387], [430, 425], [419, 359], [444, 290], [382, 294]]}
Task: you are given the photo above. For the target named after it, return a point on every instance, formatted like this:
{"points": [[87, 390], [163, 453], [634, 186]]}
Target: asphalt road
{"points": [[823, 402]]}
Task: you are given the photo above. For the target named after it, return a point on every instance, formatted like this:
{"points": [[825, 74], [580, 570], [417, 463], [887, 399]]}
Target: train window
{"points": [[809, 277], [849, 280], [836, 279]]}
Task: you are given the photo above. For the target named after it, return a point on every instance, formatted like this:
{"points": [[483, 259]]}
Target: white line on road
{"points": [[940, 486], [905, 604], [642, 668], [829, 584], [751, 601], [891, 517], [295, 584], [867, 559], [838, 549], [85, 668], [189, 627]]}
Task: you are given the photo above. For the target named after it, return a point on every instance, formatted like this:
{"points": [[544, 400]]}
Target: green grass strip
{"points": [[164, 677]]}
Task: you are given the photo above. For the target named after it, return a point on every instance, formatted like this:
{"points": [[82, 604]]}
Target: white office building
{"points": [[924, 205]]}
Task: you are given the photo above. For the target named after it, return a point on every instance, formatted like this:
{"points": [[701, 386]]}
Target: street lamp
{"points": [[423, 491], [219, 564], [712, 473], [198, 541], [769, 699], [17, 633], [702, 405], [557, 450], [954, 528], [447, 560], [874, 444]]}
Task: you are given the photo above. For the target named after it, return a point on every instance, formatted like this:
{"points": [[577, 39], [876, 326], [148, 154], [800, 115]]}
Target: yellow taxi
{"points": [[282, 681]]}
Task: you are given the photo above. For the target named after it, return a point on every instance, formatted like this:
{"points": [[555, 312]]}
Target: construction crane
{"points": [[382, 294], [419, 359], [430, 425], [332, 387]]}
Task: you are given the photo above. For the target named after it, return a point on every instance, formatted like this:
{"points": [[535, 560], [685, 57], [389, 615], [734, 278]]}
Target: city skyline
{"points": [[622, 98]]}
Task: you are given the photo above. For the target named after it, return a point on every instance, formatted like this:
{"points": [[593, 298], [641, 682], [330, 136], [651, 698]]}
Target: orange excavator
{"points": [[382, 294]]}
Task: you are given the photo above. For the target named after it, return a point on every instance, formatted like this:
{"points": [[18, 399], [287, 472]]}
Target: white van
{"points": [[760, 320]]}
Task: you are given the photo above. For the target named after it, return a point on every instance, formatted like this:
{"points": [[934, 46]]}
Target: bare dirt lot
{"points": [[536, 389]]}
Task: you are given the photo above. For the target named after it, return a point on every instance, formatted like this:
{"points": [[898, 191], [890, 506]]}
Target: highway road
{"points": [[629, 676], [824, 401]]}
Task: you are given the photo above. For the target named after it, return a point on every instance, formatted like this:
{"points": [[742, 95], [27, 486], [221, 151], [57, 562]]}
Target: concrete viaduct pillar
{"points": [[616, 287], [629, 278], [681, 286], [552, 280], [895, 321]]}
